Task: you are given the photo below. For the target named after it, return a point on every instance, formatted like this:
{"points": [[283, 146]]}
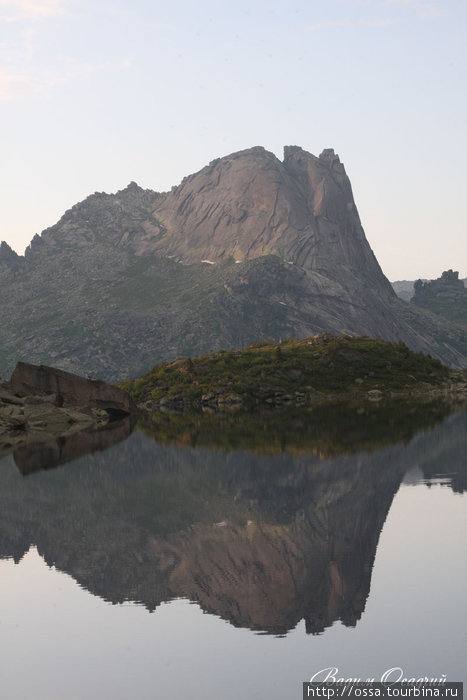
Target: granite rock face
{"points": [[251, 204], [249, 248]]}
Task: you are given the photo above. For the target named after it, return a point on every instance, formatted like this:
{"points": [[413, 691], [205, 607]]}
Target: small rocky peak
{"points": [[134, 195], [131, 191], [8, 256], [329, 156], [36, 243], [6, 253], [332, 161], [297, 154], [301, 164], [312, 172], [449, 276], [296, 158], [446, 290], [133, 187], [449, 280]]}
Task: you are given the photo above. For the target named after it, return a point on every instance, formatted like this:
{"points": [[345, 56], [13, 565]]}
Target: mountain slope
{"points": [[250, 248]]}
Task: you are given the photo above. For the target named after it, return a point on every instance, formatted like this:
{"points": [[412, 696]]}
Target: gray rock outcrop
{"points": [[446, 296]]}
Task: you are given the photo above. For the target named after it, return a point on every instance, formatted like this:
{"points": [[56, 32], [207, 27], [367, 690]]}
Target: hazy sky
{"points": [[96, 94]]}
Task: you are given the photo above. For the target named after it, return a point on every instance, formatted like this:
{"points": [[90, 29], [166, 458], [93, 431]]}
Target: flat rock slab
{"points": [[70, 389]]}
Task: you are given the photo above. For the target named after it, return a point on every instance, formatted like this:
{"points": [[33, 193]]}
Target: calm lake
{"points": [[234, 558]]}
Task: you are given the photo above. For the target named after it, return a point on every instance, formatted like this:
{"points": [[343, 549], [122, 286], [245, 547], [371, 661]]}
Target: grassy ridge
{"points": [[317, 366]]}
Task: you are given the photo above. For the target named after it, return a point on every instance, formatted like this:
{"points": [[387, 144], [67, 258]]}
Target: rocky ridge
{"points": [[405, 288]]}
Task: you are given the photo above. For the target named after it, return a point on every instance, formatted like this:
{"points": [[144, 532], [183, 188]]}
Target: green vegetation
{"points": [[294, 370]]}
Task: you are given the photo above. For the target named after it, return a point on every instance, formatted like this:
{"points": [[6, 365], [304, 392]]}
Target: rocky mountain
{"points": [[250, 248]]}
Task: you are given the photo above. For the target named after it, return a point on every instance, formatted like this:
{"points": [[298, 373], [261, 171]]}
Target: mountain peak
{"points": [[8, 256], [133, 186], [5, 250], [328, 155], [249, 204]]}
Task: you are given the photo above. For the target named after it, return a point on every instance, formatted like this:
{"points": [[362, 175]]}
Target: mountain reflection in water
{"points": [[261, 540]]}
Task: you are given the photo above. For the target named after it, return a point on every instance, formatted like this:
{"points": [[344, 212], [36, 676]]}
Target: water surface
{"points": [[157, 568]]}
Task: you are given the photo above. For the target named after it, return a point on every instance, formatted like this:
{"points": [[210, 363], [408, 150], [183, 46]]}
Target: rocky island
{"points": [[295, 372]]}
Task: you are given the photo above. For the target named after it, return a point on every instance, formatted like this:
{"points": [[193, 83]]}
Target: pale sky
{"points": [[96, 94]]}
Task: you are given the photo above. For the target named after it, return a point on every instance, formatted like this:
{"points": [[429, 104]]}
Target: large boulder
{"points": [[70, 389]]}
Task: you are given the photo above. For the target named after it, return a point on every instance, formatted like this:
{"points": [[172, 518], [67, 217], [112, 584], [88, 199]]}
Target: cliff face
{"points": [[249, 248]]}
